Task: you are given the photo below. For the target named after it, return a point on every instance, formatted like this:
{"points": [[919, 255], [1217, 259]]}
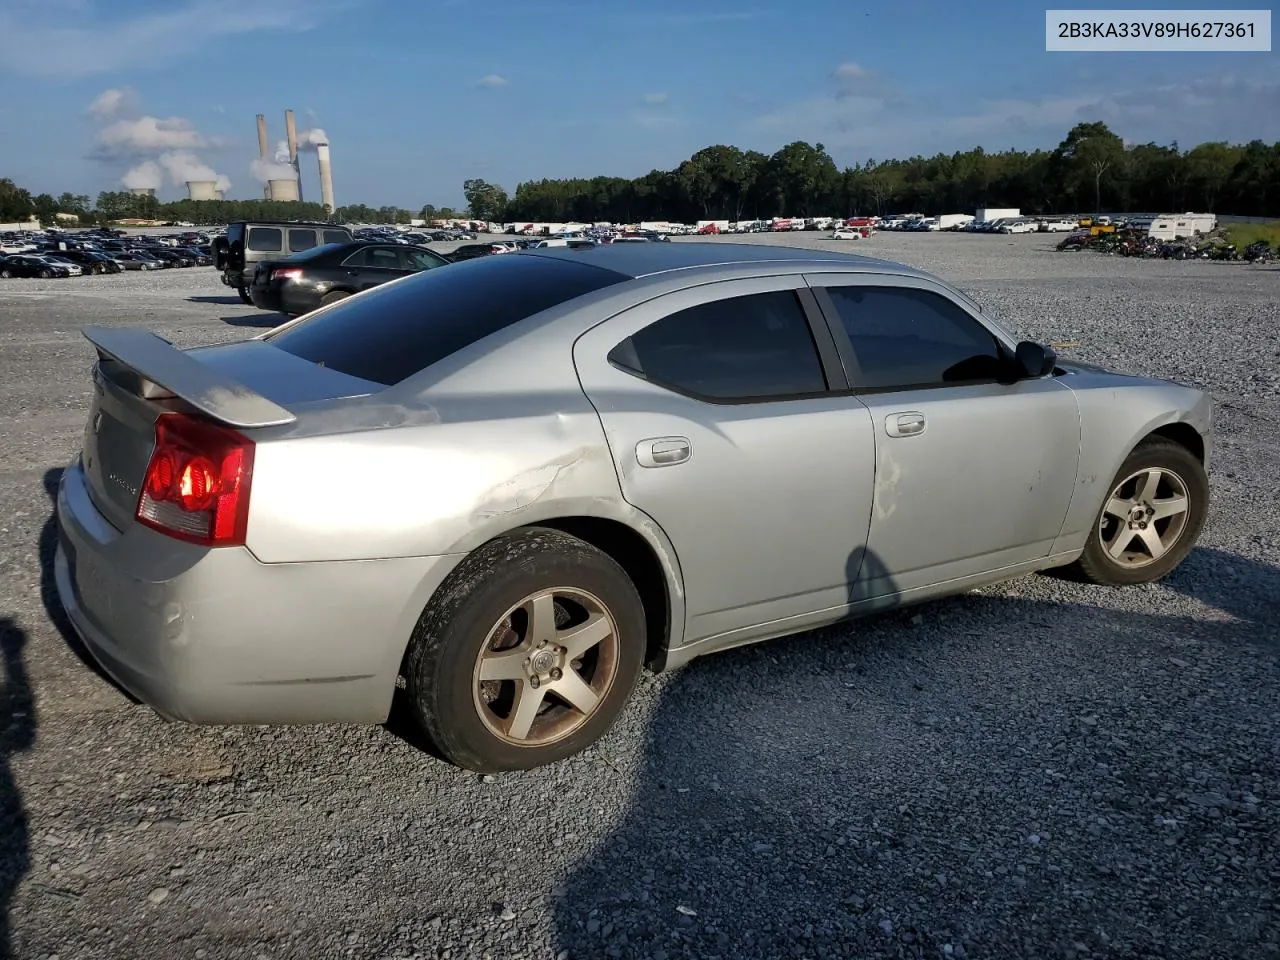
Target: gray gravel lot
{"points": [[1040, 769]]}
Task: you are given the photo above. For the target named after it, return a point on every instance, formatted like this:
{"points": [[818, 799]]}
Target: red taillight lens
{"points": [[197, 483], [286, 273]]}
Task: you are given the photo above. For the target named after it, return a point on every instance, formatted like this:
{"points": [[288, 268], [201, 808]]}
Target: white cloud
{"points": [[848, 71], [875, 121], [68, 40], [146, 134], [113, 103], [656, 99], [492, 81]]}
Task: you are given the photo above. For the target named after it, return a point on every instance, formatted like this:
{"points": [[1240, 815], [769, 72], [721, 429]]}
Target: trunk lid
{"points": [[249, 386]]}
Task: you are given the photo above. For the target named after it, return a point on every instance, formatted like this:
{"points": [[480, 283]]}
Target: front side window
{"points": [[385, 258], [265, 239], [906, 338], [741, 348]]}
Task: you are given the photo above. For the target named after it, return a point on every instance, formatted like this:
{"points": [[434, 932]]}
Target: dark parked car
{"points": [[325, 274], [20, 265], [90, 261], [469, 251], [250, 243]]}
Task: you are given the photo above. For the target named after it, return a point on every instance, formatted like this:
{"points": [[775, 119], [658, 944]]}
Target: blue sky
{"points": [[417, 95]]}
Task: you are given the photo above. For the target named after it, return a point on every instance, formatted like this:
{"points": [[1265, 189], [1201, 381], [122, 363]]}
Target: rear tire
{"points": [[46, 274], [244, 295], [540, 592], [6, 274], [333, 297], [1119, 551]]}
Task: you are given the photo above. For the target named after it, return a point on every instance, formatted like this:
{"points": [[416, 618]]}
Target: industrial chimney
{"points": [[291, 132], [326, 177], [202, 189], [283, 189], [263, 147]]}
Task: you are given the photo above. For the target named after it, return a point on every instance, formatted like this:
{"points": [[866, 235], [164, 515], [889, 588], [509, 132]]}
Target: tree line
{"points": [[1091, 170]]}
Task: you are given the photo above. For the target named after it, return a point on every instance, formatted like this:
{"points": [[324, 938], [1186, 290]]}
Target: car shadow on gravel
{"points": [[17, 735], [992, 775], [225, 301], [264, 321], [53, 609]]}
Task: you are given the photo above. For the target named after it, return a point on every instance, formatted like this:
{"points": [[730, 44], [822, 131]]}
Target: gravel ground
{"points": [[1040, 769]]}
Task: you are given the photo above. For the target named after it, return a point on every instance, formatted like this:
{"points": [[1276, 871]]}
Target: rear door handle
{"points": [[908, 424], [663, 451]]}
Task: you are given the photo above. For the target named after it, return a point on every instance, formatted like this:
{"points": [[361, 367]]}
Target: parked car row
{"points": [[57, 254]]}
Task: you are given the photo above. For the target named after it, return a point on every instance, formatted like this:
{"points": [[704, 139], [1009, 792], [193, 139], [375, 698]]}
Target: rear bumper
{"points": [[215, 636]]}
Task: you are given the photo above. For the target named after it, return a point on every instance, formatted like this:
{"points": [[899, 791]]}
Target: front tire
{"points": [[527, 654], [244, 295], [1151, 518]]}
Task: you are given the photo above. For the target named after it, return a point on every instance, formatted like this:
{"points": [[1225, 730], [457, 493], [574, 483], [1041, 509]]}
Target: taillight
{"points": [[197, 483], [286, 273]]}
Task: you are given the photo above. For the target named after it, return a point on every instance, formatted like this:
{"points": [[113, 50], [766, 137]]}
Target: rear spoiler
{"points": [[218, 397]]}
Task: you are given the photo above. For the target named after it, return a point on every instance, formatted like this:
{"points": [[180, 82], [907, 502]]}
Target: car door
{"points": [[716, 407], [370, 266], [972, 474]]}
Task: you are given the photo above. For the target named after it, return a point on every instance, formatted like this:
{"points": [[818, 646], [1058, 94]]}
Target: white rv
{"points": [[1178, 225]]}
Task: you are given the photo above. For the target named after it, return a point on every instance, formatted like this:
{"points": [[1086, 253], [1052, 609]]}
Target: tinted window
{"points": [[264, 238], [732, 349], [422, 259], [385, 258], [336, 236], [398, 329], [302, 239], [906, 338]]}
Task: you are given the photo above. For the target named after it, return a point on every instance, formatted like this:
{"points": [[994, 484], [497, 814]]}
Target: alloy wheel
{"points": [[1144, 517], [546, 666]]}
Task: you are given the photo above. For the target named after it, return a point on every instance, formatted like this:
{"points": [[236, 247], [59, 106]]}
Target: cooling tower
{"points": [[143, 191], [202, 189], [282, 189], [264, 147], [326, 177]]}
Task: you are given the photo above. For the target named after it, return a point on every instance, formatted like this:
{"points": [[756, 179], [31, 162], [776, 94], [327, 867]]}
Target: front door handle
{"points": [[663, 451], [909, 424]]}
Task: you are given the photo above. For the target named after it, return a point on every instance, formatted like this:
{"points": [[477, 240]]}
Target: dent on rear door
{"points": [[768, 513]]}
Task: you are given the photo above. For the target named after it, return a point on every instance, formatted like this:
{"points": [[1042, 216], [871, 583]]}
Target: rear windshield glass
{"points": [[394, 331], [315, 252]]}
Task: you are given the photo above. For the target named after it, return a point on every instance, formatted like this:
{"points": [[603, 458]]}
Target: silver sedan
{"points": [[512, 483]]}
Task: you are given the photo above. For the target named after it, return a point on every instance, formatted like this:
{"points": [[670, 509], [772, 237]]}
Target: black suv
{"points": [[247, 243]]}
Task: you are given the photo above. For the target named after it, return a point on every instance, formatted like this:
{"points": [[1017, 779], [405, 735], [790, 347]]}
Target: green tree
{"points": [[1210, 166], [15, 202], [1090, 150], [486, 201]]}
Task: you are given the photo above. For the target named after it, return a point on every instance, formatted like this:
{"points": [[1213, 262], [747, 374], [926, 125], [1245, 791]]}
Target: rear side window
{"points": [[265, 239], [336, 236], [398, 329], [741, 348], [301, 240], [905, 338]]}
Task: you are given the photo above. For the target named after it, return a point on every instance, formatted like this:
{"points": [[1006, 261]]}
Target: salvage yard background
{"points": [[1035, 769]]}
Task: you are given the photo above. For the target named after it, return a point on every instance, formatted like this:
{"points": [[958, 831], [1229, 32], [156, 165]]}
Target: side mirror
{"points": [[1034, 360]]}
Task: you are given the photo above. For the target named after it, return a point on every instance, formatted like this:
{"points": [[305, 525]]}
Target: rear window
{"points": [[315, 253], [396, 330]]}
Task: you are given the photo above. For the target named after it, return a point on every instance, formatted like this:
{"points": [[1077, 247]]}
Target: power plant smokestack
{"points": [[263, 145], [326, 177], [291, 132], [202, 189], [282, 190]]}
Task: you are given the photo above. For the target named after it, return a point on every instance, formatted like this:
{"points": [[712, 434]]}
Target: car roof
{"points": [[637, 260]]}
